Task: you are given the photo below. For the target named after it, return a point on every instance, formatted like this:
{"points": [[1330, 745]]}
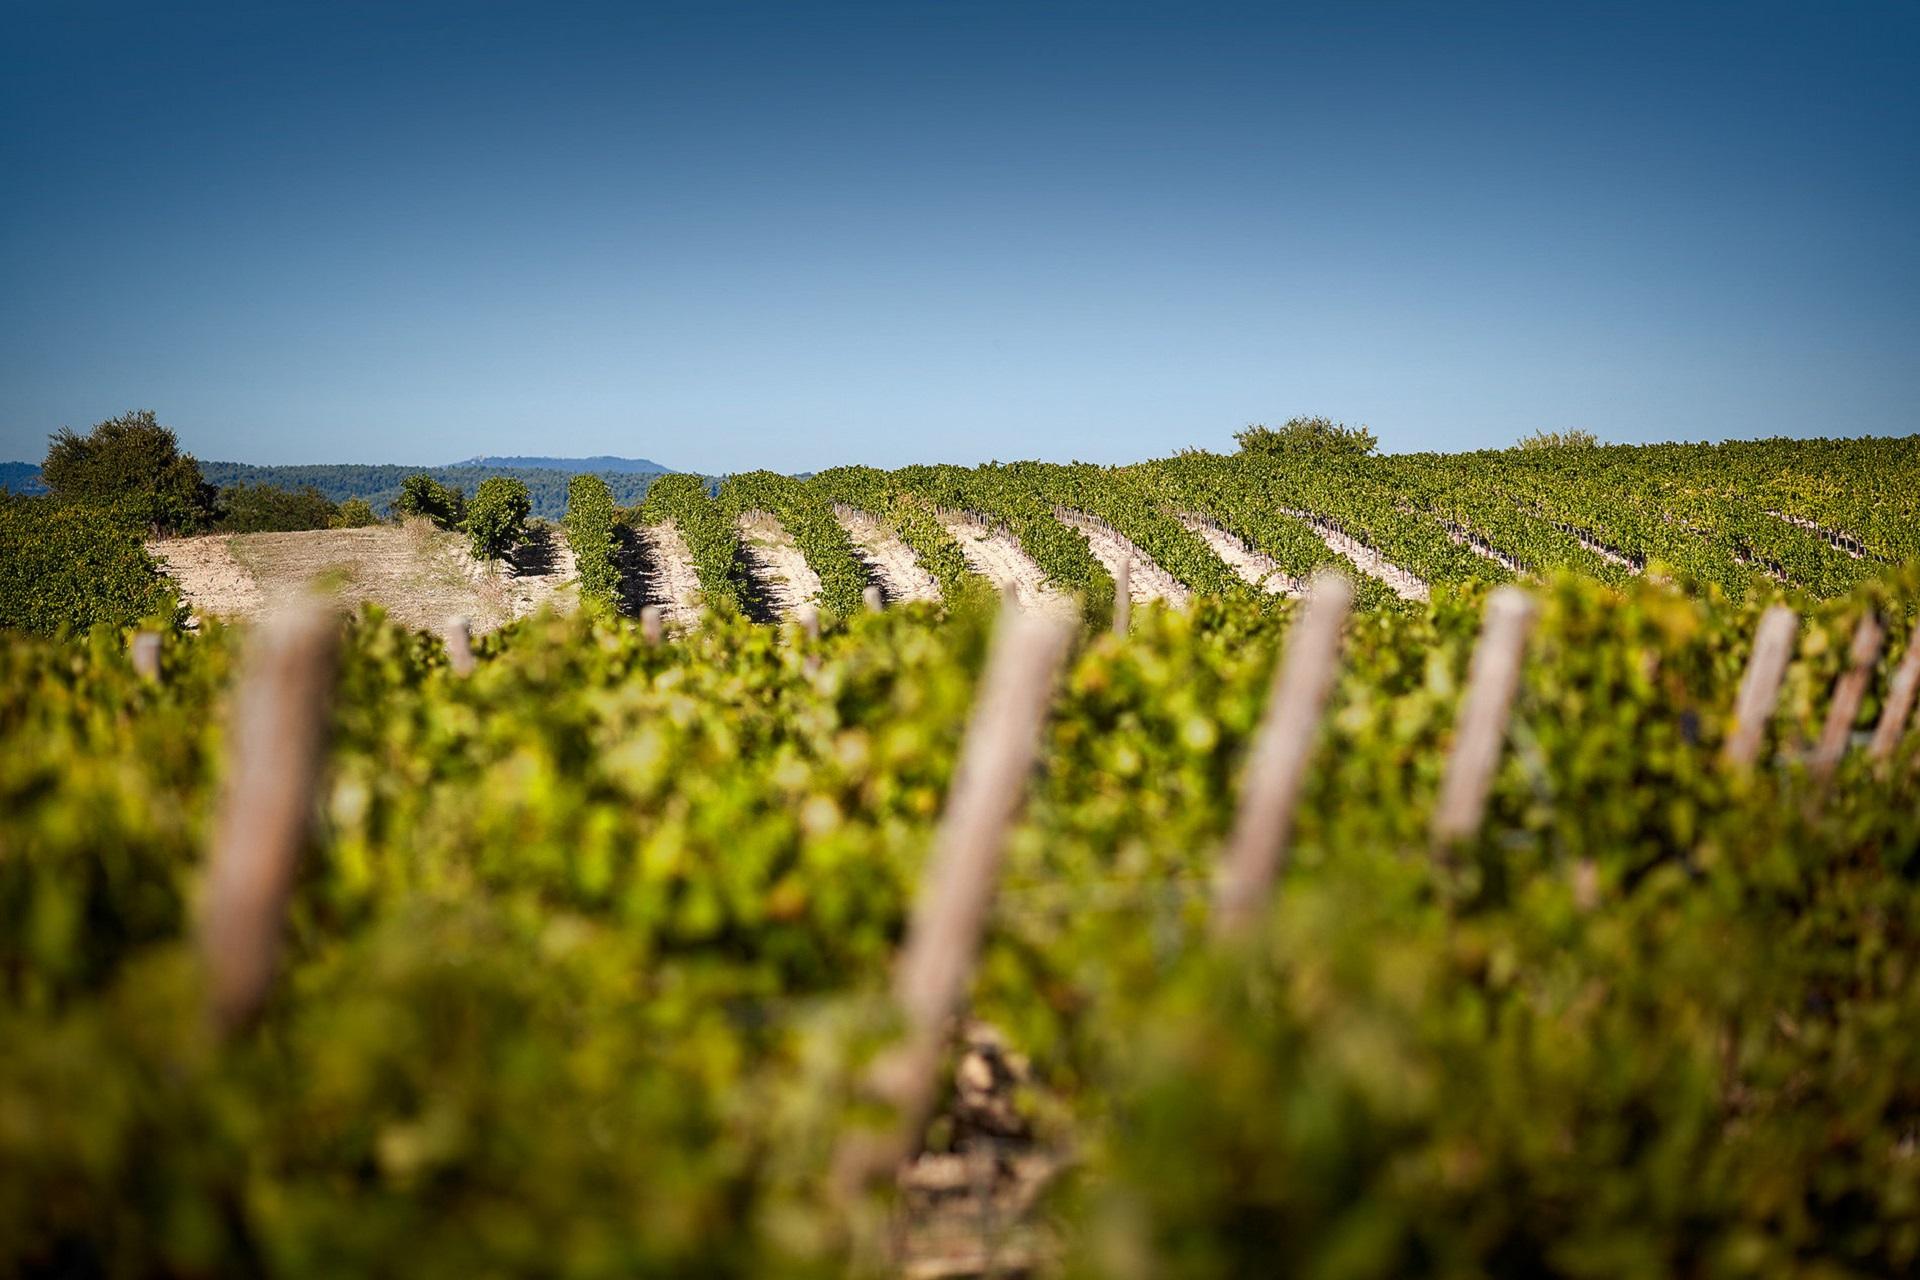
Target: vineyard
{"points": [[1815, 516], [1336, 866]]}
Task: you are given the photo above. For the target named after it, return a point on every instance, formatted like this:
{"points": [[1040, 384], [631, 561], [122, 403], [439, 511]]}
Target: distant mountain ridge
{"points": [[379, 484], [21, 477], [601, 464]]}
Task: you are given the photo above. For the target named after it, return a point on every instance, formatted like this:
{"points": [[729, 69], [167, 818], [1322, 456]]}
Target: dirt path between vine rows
{"points": [[420, 575], [784, 578], [1369, 561], [1461, 536], [1147, 582], [889, 562], [657, 568], [997, 556], [1254, 568]]}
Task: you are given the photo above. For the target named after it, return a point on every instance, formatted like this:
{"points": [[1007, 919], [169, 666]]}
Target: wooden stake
{"points": [[809, 619], [873, 599], [1123, 596], [1899, 705], [1753, 706], [950, 910], [146, 655], [460, 646], [1257, 850], [1492, 679], [274, 748], [1848, 692], [651, 626]]}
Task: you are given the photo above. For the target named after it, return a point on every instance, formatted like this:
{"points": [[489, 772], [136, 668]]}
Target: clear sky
{"points": [[729, 235]]}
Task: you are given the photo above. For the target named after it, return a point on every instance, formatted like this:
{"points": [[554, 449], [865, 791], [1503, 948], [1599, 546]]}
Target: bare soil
{"points": [[1462, 537], [889, 562], [785, 579], [1369, 561], [657, 569], [997, 556], [422, 576], [1147, 582], [1258, 570], [971, 1210]]}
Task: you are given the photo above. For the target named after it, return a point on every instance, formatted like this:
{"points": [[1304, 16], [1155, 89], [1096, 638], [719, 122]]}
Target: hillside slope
{"points": [[418, 574]]}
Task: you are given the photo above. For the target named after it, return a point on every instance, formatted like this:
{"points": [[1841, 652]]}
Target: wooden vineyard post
{"points": [[1257, 848], [274, 747], [145, 651], [950, 910], [1760, 686], [460, 646], [651, 626], [1899, 705], [873, 599], [1848, 692], [808, 616], [1123, 596], [1492, 679]]}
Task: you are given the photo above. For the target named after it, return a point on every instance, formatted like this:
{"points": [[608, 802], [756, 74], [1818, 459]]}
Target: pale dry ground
{"points": [[996, 555], [1370, 562], [420, 575], [1147, 582], [1482, 548], [1604, 551], [784, 577], [973, 1211], [887, 560], [666, 573], [1837, 539], [1254, 568]]}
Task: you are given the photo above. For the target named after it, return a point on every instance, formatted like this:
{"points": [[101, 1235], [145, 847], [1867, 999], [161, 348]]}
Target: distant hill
{"points": [[546, 478], [603, 464], [21, 477], [380, 485]]}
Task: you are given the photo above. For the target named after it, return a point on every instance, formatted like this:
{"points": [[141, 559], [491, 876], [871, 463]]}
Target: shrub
{"points": [[589, 525], [69, 566], [497, 517], [710, 537], [1574, 438], [133, 464], [354, 513], [262, 508], [1322, 435], [422, 495]]}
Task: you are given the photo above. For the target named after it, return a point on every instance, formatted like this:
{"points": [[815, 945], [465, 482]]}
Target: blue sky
{"points": [[735, 235]]}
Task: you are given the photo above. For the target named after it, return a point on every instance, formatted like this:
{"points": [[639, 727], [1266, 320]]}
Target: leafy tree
{"points": [[1316, 434], [497, 517], [134, 464], [354, 513], [422, 495], [262, 508], [1574, 438]]}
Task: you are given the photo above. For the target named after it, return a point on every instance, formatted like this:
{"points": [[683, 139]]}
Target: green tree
{"points": [[262, 508], [354, 513], [1574, 438], [497, 517], [1315, 434], [422, 495], [134, 464]]}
